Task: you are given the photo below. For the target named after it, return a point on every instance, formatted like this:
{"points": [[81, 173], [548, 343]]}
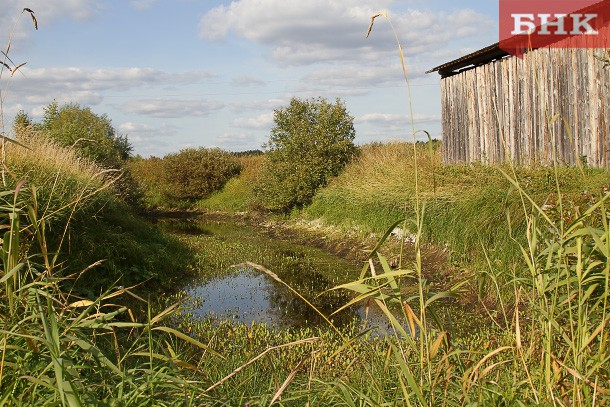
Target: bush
{"points": [[148, 174], [237, 195], [311, 141], [90, 135], [194, 174]]}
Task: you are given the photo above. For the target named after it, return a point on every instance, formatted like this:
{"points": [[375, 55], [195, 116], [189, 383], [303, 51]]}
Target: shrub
{"points": [[311, 141], [237, 195], [148, 173], [91, 135], [193, 174]]}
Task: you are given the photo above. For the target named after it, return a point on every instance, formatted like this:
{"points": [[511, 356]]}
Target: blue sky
{"points": [[185, 73]]}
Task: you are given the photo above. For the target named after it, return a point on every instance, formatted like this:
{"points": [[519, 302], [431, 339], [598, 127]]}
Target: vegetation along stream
{"points": [[223, 287]]}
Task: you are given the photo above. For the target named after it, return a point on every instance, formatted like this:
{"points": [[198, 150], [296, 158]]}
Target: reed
{"points": [[552, 345]]}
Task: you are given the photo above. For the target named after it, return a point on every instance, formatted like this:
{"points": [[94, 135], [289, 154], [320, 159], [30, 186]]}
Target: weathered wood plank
{"points": [[505, 110]]}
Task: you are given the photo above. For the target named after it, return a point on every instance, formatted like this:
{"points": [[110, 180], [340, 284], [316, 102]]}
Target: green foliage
{"points": [[64, 351], [88, 222], [92, 135], [180, 179], [148, 174], [237, 195], [461, 200], [311, 141], [194, 174]]}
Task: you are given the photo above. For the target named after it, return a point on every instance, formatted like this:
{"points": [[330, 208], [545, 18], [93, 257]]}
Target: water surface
{"points": [[247, 295]]}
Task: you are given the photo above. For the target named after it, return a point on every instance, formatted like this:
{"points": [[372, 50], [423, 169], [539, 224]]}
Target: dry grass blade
{"points": [[186, 338], [165, 313], [412, 319], [279, 280], [437, 344], [595, 333], [15, 69], [81, 303], [578, 376], [28, 10], [253, 360], [289, 379], [517, 322], [380, 14], [482, 361]]}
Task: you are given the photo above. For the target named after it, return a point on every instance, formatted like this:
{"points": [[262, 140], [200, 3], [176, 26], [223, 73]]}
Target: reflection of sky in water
{"points": [[243, 296], [248, 296]]}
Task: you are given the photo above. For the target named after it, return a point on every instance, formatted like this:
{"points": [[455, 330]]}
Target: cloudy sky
{"points": [[189, 73]]}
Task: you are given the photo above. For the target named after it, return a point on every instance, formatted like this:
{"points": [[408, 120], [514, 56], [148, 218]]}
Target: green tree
{"points": [[21, 121], [311, 141], [90, 134], [193, 174]]}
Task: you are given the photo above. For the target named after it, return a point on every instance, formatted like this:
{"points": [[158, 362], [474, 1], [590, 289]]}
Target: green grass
{"points": [[237, 194], [461, 202], [537, 242], [88, 222], [549, 300]]}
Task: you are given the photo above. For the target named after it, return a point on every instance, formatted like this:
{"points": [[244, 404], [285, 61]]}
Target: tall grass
{"points": [[552, 345], [61, 350], [82, 232]]}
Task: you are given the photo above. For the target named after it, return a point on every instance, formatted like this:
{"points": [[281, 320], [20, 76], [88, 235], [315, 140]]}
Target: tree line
{"points": [[310, 142]]}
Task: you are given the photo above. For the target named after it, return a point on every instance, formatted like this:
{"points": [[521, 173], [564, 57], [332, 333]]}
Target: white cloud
{"points": [[392, 126], [263, 121], [17, 23], [56, 79], [87, 98], [353, 76], [51, 11], [240, 141], [142, 4], [259, 105], [245, 81], [396, 119], [301, 33], [147, 130], [89, 87], [172, 108], [150, 139]]}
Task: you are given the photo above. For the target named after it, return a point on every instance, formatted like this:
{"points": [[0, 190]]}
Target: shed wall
{"points": [[553, 103]]}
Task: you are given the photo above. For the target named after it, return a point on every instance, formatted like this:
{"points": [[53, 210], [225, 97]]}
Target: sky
{"points": [[209, 73]]}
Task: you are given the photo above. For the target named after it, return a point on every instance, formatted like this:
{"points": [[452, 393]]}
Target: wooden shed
{"points": [[552, 104]]}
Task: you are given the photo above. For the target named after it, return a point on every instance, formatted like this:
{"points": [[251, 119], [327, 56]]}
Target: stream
{"points": [[224, 288]]}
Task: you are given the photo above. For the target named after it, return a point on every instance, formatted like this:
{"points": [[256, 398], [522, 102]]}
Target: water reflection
{"points": [[247, 295]]}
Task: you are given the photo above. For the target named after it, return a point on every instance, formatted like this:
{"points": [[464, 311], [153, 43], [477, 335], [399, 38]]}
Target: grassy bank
{"points": [[461, 201], [237, 195], [472, 210], [549, 346], [88, 222]]}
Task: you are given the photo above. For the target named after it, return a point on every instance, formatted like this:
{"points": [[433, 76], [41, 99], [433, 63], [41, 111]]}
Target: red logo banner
{"points": [[534, 24]]}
